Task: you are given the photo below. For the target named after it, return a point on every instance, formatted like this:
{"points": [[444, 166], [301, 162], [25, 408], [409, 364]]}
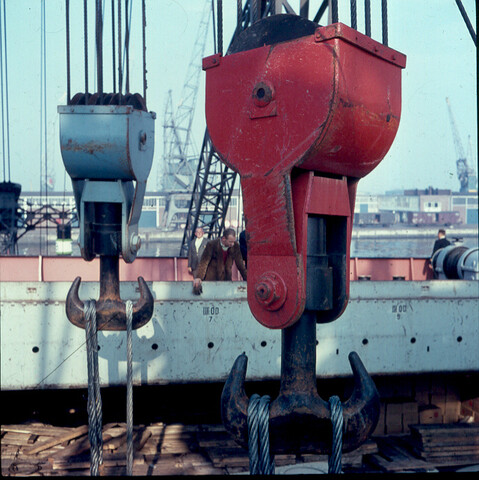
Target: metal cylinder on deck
{"points": [[456, 262]]}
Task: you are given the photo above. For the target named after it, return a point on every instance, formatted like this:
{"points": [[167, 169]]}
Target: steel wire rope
{"points": [[113, 47], [99, 14], [67, 41], [45, 123], [126, 48], [43, 118], [354, 14], [260, 460], [335, 459], [143, 35], [219, 16], [384, 16], [85, 47], [120, 75], [129, 388], [94, 405], [5, 108], [215, 51], [126, 57], [367, 17]]}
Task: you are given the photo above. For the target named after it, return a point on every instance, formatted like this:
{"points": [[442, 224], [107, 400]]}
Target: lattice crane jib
{"points": [[177, 173], [464, 171]]}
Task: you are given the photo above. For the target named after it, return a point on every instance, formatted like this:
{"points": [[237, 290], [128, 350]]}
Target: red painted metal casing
{"points": [[326, 105]]}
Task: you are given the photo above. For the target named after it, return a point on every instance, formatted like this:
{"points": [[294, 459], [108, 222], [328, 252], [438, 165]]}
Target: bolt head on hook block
{"points": [[326, 103]]}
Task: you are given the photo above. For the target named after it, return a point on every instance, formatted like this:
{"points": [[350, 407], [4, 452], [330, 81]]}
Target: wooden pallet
{"points": [[448, 444]]}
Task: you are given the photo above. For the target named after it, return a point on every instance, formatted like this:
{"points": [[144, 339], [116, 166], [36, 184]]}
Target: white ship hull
{"points": [[395, 327]]}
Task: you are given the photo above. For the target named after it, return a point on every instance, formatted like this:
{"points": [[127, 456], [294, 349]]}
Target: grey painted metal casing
{"points": [[105, 148], [106, 142], [396, 328]]}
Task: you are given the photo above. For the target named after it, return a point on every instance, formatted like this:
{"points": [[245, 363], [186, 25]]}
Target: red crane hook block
{"points": [[302, 121]]}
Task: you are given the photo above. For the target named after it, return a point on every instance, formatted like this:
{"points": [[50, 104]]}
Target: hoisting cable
{"points": [[113, 48], [367, 17], [260, 460], [120, 74], [5, 109], [219, 16], [3, 106], [354, 14], [94, 405], [67, 21], [127, 45], [99, 46], [335, 459], [384, 16], [85, 46], [143, 34], [124, 69], [129, 388], [214, 25]]}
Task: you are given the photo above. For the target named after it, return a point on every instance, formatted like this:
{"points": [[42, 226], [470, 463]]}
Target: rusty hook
{"points": [[299, 419], [110, 308]]}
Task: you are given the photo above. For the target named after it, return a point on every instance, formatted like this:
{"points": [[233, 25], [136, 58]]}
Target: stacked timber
{"points": [[159, 449], [446, 444]]}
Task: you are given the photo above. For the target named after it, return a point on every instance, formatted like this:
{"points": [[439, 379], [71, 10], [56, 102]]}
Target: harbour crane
{"points": [[180, 158], [465, 173]]}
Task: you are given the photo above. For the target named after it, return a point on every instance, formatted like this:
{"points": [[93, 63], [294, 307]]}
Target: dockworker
{"points": [[217, 260], [441, 241], [197, 247]]}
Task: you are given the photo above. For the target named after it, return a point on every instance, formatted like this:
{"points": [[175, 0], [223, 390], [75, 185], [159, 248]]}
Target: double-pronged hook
{"points": [[110, 308], [299, 420]]}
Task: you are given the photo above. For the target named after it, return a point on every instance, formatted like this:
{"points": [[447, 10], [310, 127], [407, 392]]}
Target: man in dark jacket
{"points": [[217, 260], [441, 241], [197, 247]]}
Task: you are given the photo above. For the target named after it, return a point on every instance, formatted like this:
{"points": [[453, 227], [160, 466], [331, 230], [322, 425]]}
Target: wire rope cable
{"points": [[129, 388], [260, 460], [94, 405], [335, 459], [5, 108], [3, 105]]}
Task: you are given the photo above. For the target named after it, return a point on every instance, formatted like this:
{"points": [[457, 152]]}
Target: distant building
{"points": [[441, 206], [409, 206]]}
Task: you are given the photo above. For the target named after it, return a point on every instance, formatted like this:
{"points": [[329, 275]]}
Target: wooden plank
{"points": [[393, 464], [455, 461], [75, 433], [32, 439], [80, 464], [13, 438], [446, 429], [222, 457], [36, 429], [394, 457], [140, 437], [470, 449]]}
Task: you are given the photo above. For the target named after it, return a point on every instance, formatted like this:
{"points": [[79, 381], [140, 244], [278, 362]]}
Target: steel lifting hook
{"points": [[110, 308], [299, 418]]}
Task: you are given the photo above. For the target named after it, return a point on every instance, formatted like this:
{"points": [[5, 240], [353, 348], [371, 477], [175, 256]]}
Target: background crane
{"points": [[180, 157], [465, 173]]}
